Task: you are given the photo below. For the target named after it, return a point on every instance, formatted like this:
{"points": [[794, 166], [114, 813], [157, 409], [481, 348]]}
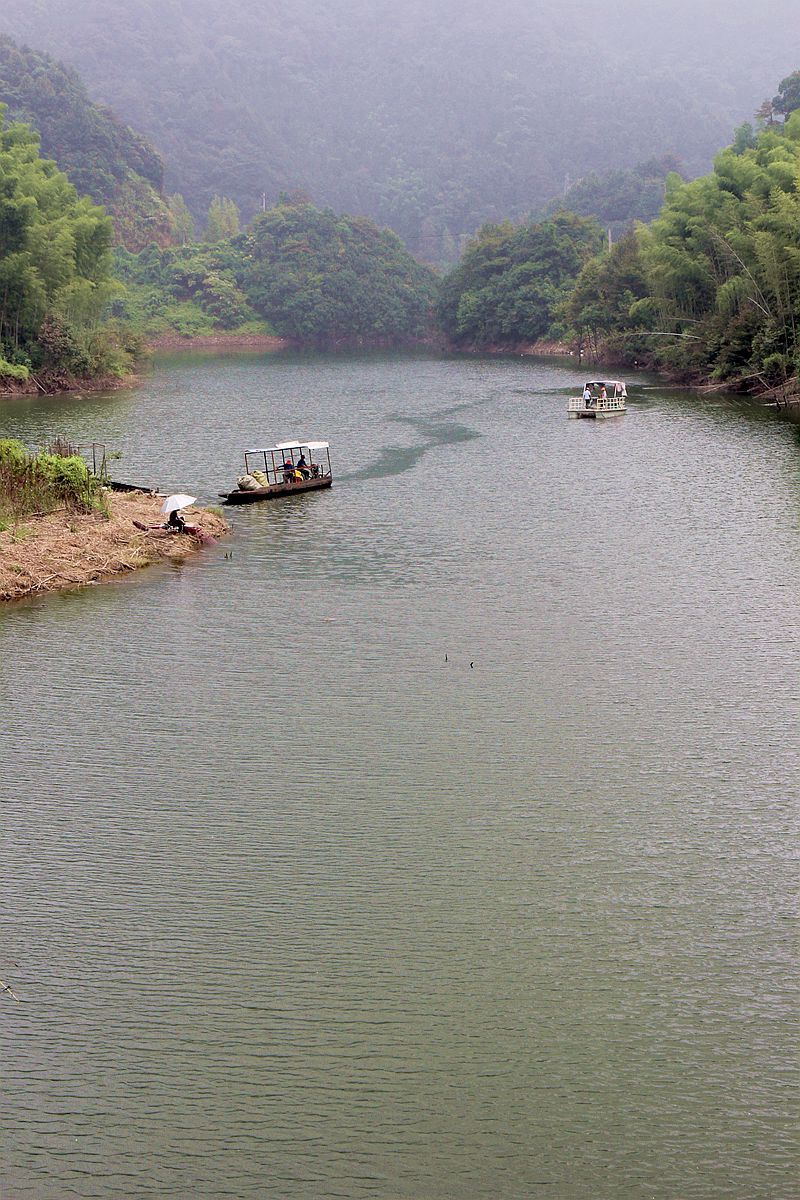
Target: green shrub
{"points": [[44, 482], [187, 318], [776, 368], [12, 453], [16, 371]]}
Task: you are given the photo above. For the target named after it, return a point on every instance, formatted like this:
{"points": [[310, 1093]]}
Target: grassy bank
{"points": [[60, 526], [66, 549]]}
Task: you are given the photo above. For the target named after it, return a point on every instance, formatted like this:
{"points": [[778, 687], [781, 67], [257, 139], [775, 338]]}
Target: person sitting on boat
{"points": [[302, 466], [288, 470]]}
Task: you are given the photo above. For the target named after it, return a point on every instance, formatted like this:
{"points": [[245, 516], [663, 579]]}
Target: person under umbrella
{"points": [[173, 505]]}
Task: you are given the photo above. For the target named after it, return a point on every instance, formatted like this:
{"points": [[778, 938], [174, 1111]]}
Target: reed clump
{"points": [[46, 482]]}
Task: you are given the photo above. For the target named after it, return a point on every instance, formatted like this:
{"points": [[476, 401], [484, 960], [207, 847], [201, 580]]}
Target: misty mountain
{"points": [[102, 157], [619, 197], [429, 117]]}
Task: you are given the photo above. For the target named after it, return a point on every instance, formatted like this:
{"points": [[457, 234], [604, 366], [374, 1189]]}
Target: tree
{"points": [[222, 221], [511, 279], [788, 97], [765, 114], [326, 279], [714, 286], [182, 219], [100, 155], [55, 263], [600, 307]]}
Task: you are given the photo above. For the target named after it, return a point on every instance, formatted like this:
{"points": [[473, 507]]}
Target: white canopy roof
{"points": [[295, 445], [605, 383]]}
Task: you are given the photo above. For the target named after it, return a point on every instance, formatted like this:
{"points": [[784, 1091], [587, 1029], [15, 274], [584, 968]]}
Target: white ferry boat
{"points": [[601, 398]]}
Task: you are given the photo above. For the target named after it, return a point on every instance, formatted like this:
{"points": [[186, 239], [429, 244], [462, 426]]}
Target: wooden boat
{"points": [[288, 469], [601, 398]]}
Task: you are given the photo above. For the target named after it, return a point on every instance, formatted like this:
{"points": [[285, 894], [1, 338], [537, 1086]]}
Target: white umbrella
{"points": [[172, 503]]}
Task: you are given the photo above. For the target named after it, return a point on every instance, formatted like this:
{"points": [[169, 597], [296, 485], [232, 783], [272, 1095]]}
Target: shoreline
{"points": [[60, 384], [218, 341], [784, 397], [61, 551]]}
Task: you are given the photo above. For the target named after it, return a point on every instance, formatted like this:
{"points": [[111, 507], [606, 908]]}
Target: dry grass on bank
{"points": [[63, 550]]}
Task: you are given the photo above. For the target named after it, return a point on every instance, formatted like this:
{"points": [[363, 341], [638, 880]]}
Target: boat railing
{"points": [[596, 404], [277, 466]]}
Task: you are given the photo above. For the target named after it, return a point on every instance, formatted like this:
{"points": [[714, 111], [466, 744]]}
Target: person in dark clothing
{"points": [[175, 521]]}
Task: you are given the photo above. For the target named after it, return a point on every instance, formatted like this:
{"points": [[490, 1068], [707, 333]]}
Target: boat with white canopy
{"points": [[282, 470], [601, 398]]}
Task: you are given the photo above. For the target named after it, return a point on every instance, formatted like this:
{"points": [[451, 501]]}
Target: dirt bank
{"points": [[218, 341], [66, 550], [53, 383]]}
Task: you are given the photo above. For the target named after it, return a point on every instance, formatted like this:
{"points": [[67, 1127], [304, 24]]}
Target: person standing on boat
{"points": [[587, 396]]}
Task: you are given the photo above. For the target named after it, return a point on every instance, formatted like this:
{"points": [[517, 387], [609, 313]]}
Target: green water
{"points": [[297, 907]]}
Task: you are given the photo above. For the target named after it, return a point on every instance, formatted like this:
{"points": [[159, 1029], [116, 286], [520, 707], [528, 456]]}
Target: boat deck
{"points": [[275, 490]]}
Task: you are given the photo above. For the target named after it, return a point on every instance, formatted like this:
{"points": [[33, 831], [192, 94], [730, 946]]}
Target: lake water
{"points": [[300, 903]]}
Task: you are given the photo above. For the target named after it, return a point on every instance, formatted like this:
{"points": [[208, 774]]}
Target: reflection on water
{"points": [[298, 903]]}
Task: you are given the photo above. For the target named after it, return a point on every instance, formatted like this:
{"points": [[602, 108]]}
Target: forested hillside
{"points": [[619, 197], [709, 289], [307, 274], [509, 284], [712, 287], [103, 158], [431, 116]]}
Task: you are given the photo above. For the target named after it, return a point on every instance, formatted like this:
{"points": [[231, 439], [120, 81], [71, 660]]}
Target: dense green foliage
{"points": [[44, 482], [601, 312], [330, 279], [302, 272], [784, 104], [223, 220], [712, 286], [430, 117], [187, 290], [511, 280], [55, 280], [103, 158]]}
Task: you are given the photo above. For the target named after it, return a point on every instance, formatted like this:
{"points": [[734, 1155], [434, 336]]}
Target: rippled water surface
{"points": [[299, 902]]}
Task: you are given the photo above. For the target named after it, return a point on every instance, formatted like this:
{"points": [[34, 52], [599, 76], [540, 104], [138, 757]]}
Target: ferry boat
{"points": [[282, 470], [601, 398]]}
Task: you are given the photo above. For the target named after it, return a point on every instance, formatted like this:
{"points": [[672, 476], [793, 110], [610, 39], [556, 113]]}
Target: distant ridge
{"points": [[102, 156], [429, 116]]}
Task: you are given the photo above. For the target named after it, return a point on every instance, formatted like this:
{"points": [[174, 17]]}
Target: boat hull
{"points": [[275, 491], [591, 415]]}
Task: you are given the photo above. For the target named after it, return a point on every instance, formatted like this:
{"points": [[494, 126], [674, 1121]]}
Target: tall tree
{"points": [[788, 97], [222, 222]]}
